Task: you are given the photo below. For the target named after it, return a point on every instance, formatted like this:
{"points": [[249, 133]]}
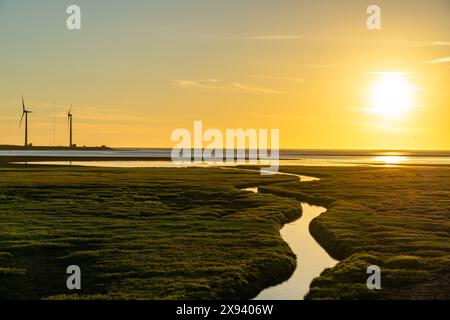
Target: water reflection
{"points": [[312, 259], [380, 160], [389, 159]]}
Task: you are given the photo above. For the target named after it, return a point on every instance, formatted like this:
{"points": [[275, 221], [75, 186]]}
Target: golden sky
{"points": [[136, 72]]}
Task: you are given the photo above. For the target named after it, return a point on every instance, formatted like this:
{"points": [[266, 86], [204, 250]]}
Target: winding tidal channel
{"points": [[312, 259]]}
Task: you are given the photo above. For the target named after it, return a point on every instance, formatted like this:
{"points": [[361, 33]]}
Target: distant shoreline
{"points": [[282, 151], [51, 148], [9, 159]]}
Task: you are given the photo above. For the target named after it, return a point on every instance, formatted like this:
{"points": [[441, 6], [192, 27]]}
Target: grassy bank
{"points": [[396, 218], [140, 233]]}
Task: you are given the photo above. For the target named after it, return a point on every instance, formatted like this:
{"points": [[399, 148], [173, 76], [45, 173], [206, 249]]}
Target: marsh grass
{"points": [[191, 234], [140, 233], [397, 218]]}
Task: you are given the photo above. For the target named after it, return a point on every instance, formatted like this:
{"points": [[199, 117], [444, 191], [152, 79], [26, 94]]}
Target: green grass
{"points": [[397, 218], [190, 233], [140, 233]]}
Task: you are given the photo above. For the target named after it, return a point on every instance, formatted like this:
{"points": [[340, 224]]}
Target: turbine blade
{"points": [[23, 104], [21, 119], [70, 110]]}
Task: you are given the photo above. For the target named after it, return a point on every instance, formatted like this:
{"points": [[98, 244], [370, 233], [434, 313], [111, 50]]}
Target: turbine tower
{"points": [[25, 113], [69, 120]]}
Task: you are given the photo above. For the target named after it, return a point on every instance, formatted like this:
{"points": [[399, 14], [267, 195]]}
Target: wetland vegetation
{"points": [[140, 233], [160, 233], [395, 217]]}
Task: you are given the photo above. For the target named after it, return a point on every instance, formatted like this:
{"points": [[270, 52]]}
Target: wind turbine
{"points": [[69, 120], [25, 113]]}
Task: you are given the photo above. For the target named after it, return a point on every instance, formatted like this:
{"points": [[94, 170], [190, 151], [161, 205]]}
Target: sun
{"points": [[392, 94]]}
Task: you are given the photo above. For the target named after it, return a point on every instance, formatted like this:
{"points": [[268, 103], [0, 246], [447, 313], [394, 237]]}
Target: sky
{"points": [[138, 70]]}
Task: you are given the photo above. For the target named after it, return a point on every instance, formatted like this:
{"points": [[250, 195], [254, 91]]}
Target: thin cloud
{"points": [[201, 84], [214, 85], [278, 78], [283, 117], [440, 43], [255, 37], [393, 73], [294, 65], [255, 89], [439, 60], [325, 39]]}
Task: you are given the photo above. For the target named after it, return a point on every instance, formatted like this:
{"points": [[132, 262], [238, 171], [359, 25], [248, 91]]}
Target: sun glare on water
{"points": [[392, 94], [390, 159]]}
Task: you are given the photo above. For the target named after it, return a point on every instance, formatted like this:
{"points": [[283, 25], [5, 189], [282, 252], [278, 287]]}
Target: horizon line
{"points": [[280, 149]]}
